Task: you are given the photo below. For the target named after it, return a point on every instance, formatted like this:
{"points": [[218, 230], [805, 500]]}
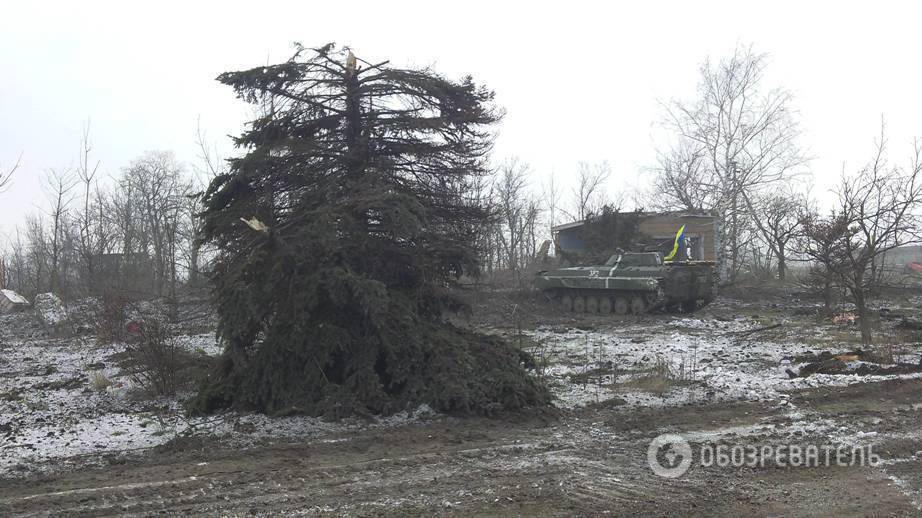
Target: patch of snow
{"points": [[704, 355], [52, 415], [204, 343]]}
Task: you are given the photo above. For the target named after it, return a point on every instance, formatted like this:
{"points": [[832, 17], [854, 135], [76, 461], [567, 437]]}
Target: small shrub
{"points": [[662, 377], [100, 382], [112, 318], [154, 358]]}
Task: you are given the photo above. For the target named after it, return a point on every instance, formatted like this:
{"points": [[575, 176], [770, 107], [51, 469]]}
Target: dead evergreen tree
{"points": [[340, 231]]}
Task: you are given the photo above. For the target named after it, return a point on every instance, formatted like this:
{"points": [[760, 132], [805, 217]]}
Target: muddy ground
{"points": [[589, 462], [589, 458]]}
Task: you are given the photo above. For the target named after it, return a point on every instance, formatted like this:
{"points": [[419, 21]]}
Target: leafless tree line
{"points": [[734, 152], [525, 213], [136, 232]]}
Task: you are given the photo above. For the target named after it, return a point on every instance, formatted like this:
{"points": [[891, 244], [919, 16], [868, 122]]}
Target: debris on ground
{"points": [[848, 318], [50, 310], [860, 363], [912, 325]]}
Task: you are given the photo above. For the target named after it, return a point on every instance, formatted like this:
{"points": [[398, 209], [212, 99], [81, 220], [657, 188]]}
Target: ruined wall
{"points": [[661, 229], [702, 229]]}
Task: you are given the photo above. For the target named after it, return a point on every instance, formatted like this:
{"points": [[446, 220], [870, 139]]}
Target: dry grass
{"points": [[100, 382], [661, 377]]}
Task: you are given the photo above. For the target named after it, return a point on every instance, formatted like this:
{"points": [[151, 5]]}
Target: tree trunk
{"points": [[193, 262], [863, 320], [782, 267], [827, 295]]}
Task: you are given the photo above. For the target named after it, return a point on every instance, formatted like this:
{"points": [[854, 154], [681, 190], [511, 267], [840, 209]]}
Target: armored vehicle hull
{"points": [[631, 283]]}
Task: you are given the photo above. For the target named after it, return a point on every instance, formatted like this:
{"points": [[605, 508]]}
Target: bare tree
{"points": [[159, 189], [588, 195], [87, 174], [822, 239], [875, 213], [684, 181], [743, 136], [518, 214], [6, 175], [779, 221], [38, 254], [209, 166], [552, 197], [58, 184]]}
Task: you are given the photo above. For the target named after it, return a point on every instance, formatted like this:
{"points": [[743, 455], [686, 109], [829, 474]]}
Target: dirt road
{"points": [[587, 462]]}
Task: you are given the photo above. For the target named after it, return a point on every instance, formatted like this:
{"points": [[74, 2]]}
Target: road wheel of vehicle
{"points": [[620, 306], [566, 303], [579, 304], [592, 304], [637, 305], [604, 305]]}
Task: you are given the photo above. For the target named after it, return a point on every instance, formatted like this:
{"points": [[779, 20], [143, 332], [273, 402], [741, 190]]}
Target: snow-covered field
{"points": [[709, 360], [66, 402]]}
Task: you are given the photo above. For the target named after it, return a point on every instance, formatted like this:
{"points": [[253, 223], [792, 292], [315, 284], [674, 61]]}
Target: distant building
{"points": [[900, 257], [11, 301], [133, 272], [701, 234]]}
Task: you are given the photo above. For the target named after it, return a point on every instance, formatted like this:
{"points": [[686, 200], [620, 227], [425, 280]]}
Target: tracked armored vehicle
{"points": [[631, 283]]}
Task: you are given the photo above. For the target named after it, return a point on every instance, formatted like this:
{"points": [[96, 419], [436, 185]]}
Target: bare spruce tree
{"points": [[340, 231]]}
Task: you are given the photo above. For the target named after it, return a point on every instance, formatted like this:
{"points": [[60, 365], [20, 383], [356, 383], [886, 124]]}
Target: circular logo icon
{"points": [[669, 455]]}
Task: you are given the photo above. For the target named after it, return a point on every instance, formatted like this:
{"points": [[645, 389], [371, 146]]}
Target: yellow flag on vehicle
{"points": [[678, 249]]}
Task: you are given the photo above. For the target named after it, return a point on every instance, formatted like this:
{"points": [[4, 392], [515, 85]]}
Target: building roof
{"points": [[13, 297], [678, 214]]}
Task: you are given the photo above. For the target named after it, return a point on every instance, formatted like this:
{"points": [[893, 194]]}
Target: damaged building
{"points": [[701, 235], [11, 301]]}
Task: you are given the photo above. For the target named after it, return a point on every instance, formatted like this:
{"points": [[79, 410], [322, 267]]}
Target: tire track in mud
{"points": [[586, 463], [502, 475]]}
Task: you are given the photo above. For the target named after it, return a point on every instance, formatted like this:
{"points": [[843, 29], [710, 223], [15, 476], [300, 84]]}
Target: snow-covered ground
{"points": [[65, 401], [709, 359]]}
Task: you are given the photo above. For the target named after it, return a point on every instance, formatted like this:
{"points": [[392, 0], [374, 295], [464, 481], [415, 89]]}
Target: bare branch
{"points": [[5, 176]]}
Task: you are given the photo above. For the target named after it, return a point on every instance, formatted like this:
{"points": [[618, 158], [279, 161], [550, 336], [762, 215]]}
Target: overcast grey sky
{"points": [[579, 80]]}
